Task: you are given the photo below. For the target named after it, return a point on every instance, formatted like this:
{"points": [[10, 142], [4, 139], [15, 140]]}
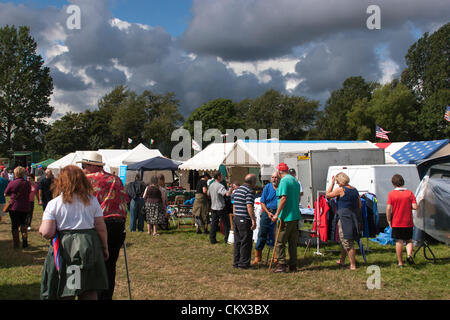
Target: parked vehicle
{"points": [[312, 166]]}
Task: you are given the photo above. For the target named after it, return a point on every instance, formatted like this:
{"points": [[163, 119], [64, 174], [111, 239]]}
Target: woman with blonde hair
{"points": [[19, 192], [75, 218], [349, 215]]}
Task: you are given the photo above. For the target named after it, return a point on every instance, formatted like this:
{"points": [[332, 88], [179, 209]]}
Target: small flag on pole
{"points": [[447, 113], [151, 141], [196, 146], [381, 133], [130, 140]]}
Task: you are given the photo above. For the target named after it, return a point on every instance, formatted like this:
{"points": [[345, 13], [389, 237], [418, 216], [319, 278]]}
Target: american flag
{"points": [[130, 140], [381, 133], [447, 113]]}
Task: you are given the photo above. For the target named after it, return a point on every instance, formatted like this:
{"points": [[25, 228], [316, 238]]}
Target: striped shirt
{"points": [[241, 197]]}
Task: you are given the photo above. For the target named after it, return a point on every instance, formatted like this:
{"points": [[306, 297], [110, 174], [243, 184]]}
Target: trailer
{"points": [[312, 166]]}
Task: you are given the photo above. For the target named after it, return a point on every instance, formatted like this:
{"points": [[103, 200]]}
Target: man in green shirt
{"points": [[288, 213]]}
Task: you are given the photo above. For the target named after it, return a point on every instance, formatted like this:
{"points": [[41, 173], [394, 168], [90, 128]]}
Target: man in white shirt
{"points": [[217, 192]]}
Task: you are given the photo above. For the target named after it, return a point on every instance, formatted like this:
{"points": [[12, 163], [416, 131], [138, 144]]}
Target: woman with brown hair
{"points": [[75, 217], [349, 214], [153, 208], [19, 192]]}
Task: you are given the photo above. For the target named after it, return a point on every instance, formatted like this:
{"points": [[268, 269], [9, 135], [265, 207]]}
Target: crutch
{"points": [[275, 245], [126, 266]]}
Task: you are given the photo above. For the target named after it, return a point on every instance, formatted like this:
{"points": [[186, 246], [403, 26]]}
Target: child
{"points": [[400, 204]]}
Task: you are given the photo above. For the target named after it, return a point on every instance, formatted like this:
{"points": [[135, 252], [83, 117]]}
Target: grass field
{"points": [[181, 264]]}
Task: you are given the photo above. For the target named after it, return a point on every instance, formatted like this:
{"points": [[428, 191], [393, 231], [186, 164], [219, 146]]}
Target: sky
{"points": [[207, 49]]}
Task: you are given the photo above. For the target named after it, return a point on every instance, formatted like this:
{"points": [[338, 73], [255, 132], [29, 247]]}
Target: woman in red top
{"points": [[400, 204]]}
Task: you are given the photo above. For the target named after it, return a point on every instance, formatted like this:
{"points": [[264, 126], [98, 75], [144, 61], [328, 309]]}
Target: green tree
{"points": [[293, 116], [428, 76], [25, 90], [219, 114], [430, 122], [427, 61], [392, 107], [67, 135], [146, 117], [332, 123]]}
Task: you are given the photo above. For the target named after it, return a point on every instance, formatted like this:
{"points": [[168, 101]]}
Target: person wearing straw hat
{"points": [[288, 214], [113, 199]]}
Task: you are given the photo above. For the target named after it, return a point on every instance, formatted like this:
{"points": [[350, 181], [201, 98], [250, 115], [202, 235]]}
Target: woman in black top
{"points": [[200, 208]]}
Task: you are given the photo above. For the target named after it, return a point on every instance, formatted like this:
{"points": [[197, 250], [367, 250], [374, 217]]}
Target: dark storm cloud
{"points": [[328, 38], [239, 30], [67, 81]]}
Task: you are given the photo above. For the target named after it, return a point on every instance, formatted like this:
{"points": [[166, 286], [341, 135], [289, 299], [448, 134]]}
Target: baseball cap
{"points": [[282, 167]]}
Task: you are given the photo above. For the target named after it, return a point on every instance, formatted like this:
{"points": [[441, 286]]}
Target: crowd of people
{"points": [[85, 212]]}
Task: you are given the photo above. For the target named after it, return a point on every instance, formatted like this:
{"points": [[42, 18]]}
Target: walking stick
{"points": [[275, 245], [126, 266]]}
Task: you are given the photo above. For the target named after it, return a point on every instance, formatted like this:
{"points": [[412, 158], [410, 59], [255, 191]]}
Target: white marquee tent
{"points": [[260, 154]]}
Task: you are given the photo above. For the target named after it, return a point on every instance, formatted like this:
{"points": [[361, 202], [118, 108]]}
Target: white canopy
{"points": [[70, 158], [209, 158], [109, 154], [139, 153]]}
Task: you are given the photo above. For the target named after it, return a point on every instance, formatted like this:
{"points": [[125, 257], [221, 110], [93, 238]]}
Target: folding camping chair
{"points": [[185, 211]]}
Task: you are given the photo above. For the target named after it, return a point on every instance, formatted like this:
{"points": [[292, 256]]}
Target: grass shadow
{"points": [[20, 291], [21, 257]]}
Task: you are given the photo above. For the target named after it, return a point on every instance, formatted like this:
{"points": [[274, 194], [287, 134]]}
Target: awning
{"points": [[44, 163]]}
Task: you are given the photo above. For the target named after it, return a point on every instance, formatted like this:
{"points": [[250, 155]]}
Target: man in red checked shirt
{"points": [[113, 199]]}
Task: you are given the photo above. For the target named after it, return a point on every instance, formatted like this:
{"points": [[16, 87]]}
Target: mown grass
{"points": [[181, 264]]}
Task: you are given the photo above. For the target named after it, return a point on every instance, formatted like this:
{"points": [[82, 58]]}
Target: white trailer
{"points": [[312, 166]]}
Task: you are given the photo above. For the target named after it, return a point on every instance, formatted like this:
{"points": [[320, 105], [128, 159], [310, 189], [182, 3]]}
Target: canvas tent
{"points": [[44, 164], [156, 163], [258, 156], [139, 153], [109, 154], [70, 158]]}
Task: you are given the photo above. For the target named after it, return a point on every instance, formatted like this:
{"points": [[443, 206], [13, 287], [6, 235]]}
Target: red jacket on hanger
{"points": [[321, 210]]}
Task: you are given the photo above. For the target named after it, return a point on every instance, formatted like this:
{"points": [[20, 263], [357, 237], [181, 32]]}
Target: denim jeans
{"points": [[217, 215], [243, 241], [136, 213], [265, 226]]}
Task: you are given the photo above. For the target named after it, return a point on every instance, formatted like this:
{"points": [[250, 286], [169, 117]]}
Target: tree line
{"points": [[412, 107]]}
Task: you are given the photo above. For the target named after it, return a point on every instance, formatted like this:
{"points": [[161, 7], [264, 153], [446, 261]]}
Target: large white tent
{"points": [[109, 154], [260, 154], [70, 158], [208, 159], [139, 153]]}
